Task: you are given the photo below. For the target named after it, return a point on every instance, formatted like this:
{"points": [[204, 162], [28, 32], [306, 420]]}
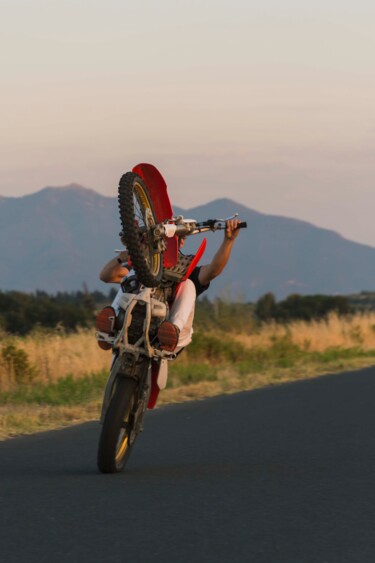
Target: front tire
{"points": [[114, 446], [137, 220]]}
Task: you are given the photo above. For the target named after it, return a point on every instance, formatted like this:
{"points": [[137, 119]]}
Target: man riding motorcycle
{"points": [[176, 332]]}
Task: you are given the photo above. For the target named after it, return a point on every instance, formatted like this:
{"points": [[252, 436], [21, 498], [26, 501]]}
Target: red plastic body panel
{"points": [[157, 189], [196, 259], [155, 366], [170, 256], [154, 386]]}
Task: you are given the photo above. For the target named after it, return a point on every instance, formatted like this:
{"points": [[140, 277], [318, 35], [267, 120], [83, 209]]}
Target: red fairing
{"points": [[157, 189], [170, 256], [154, 386], [196, 259]]}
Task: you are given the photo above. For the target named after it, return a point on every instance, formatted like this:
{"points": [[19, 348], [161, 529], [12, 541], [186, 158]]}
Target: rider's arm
{"points": [[114, 270], [219, 261]]}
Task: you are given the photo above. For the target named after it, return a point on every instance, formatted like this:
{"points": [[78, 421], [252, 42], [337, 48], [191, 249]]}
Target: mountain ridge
{"points": [[253, 211], [59, 238]]}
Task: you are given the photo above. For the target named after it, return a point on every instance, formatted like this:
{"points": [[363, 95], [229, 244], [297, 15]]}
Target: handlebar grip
{"points": [[242, 225]]}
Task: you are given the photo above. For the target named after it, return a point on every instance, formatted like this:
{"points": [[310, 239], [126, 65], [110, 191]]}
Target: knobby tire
{"points": [[114, 448], [134, 204]]}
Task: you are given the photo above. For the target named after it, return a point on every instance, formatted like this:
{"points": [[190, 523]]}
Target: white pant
{"points": [[182, 312]]}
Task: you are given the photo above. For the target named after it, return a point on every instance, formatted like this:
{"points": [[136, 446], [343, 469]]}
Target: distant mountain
{"points": [[59, 238], [287, 256], [56, 239]]}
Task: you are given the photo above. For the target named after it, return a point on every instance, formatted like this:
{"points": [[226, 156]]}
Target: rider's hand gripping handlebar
{"points": [[186, 227]]}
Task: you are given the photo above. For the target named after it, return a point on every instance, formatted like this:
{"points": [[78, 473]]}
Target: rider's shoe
{"points": [[168, 334], [105, 326]]}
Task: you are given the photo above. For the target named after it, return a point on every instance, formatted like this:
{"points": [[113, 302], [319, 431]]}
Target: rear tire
{"points": [[114, 447]]}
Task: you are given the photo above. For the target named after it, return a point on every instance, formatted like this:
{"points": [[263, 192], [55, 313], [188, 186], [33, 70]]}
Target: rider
{"points": [[176, 332]]}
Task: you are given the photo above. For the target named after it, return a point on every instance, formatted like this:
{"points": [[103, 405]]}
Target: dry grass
{"points": [[56, 355], [18, 420], [317, 336], [25, 419]]}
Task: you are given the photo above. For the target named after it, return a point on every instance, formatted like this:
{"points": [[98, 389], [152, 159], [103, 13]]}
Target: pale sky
{"points": [[266, 102]]}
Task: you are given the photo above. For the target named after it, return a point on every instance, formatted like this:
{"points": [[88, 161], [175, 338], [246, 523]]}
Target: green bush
{"points": [[193, 373], [17, 363], [214, 349]]}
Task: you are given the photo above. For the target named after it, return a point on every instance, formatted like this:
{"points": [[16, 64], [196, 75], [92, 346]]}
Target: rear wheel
{"points": [[137, 220], [114, 444]]}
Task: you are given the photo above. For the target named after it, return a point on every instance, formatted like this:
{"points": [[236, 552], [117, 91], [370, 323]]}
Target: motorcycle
{"points": [[139, 368]]}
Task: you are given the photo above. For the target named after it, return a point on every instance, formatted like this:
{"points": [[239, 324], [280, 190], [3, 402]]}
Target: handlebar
{"points": [[186, 227], [216, 224]]}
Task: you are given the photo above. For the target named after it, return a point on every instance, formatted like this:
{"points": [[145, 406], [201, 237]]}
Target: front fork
{"points": [[130, 357]]}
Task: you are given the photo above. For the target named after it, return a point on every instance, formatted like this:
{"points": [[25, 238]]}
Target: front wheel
{"points": [[114, 444], [137, 220]]}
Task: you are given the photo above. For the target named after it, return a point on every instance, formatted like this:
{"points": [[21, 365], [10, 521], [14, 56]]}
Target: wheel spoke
{"points": [[144, 220]]}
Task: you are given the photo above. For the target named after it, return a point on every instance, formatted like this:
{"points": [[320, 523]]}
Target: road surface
{"points": [[283, 474]]}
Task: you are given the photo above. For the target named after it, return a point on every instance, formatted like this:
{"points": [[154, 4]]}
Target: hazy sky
{"points": [[269, 103]]}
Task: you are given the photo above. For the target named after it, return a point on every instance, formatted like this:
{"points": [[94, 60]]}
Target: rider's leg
{"points": [[182, 312], [116, 301]]}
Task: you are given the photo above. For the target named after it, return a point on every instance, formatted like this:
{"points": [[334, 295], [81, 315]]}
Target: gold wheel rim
{"points": [[123, 441], [122, 448], [143, 199]]}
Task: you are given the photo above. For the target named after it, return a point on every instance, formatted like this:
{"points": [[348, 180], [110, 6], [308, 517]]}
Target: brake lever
{"points": [[229, 218]]}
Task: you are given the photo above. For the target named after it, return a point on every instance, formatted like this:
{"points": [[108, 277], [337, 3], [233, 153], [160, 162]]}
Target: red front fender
{"points": [[157, 189]]}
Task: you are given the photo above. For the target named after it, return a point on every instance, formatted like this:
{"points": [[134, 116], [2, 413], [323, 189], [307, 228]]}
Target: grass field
{"points": [[49, 380]]}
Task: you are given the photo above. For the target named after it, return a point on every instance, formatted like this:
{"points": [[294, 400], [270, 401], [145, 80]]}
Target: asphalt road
{"points": [[284, 474]]}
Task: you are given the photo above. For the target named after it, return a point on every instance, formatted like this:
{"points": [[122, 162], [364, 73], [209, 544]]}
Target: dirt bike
{"points": [[139, 367]]}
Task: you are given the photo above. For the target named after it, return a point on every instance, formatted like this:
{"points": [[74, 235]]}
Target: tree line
{"points": [[21, 312], [300, 307]]}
